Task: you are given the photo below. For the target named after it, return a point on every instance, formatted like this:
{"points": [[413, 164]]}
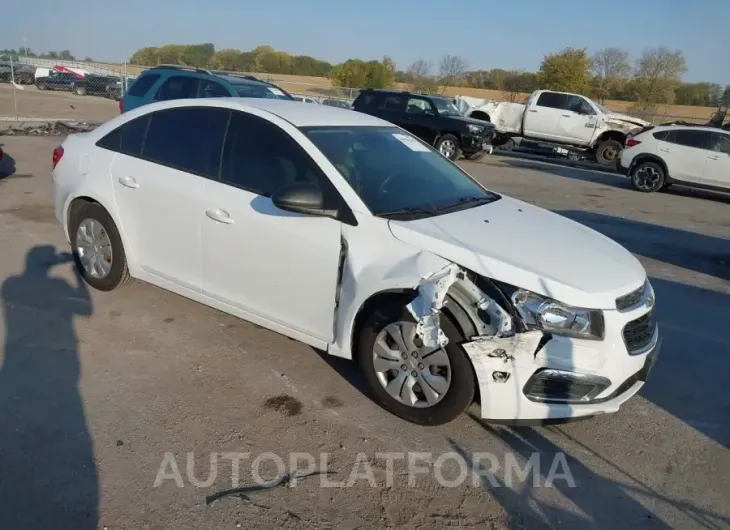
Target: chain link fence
{"points": [[41, 90]]}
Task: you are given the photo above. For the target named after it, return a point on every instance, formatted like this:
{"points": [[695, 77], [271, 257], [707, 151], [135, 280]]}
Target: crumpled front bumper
{"points": [[505, 368]]}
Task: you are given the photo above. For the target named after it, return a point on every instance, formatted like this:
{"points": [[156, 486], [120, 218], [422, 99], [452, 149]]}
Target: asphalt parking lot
{"points": [[95, 389]]}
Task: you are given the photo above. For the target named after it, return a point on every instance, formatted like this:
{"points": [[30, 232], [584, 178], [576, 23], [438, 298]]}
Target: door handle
{"points": [[714, 157], [664, 149], [128, 182], [533, 110], [566, 115], [219, 215]]}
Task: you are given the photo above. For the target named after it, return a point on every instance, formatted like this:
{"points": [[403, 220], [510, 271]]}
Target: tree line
{"points": [[654, 78]]}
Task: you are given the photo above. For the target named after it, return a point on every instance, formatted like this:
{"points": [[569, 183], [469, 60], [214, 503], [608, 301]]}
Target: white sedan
{"points": [[349, 234]]}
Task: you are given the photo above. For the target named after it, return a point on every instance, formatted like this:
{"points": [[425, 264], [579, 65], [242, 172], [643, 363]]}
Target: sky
{"points": [[487, 33]]}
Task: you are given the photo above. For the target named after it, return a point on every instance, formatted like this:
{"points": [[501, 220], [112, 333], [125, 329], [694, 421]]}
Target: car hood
{"points": [[464, 120], [528, 247], [615, 116]]}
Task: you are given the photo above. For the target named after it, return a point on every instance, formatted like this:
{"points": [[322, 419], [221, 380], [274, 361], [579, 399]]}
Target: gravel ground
{"points": [[95, 389]]}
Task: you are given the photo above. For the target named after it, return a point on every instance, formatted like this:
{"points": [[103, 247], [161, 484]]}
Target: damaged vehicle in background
{"points": [[343, 231], [558, 119]]}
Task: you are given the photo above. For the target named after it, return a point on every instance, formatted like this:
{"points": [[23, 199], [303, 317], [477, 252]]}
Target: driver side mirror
{"points": [[302, 197]]}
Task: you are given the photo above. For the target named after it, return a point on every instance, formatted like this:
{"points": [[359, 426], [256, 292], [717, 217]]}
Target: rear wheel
{"points": [[97, 247], [647, 177], [80, 91], [423, 385], [607, 152], [448, 145]]}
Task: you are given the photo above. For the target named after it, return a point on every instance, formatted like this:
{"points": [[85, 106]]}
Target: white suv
{"points": [[657, 157], [349, 234]]}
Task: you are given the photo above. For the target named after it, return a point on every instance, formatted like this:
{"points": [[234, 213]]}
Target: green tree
{"points": [[517, 83], [451, 71], [360, 74], [611, 70], [421, 79], [567, 71], [700, 94], [225, 59], [197, 54], [65, 55], [145, 57], [658, 73]]}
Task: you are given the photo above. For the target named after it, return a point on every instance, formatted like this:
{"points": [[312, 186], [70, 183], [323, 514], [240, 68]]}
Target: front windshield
{"points": [[394, 172], [601, 108], [260, 91], [445, 107]]}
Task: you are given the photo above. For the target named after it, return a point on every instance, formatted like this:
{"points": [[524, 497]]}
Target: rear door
{"points": [[685, 152], [160, 187], [542, 117], [717, 166], [392, 108]]}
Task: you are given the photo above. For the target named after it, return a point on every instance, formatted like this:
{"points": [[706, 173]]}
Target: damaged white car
{"points": [[347, 233]]}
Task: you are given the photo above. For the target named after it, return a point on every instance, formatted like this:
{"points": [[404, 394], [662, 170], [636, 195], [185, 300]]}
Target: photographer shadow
{"points": [[48, 477]]}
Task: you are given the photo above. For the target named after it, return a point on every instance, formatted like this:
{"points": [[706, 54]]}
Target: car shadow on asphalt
{"points": [[599, 501], [608, 179], [694, 365], [48, 476]]}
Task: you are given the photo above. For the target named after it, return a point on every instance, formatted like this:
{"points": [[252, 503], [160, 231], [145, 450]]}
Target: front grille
{"points": [[629, 300], [639, 333]]}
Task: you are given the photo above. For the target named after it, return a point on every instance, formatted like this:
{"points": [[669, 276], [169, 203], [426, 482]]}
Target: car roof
{"points": [[232, 79], [295, 112]]}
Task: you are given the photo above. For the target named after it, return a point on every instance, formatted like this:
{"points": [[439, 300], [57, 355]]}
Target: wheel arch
{"points": [[610, 135], [649, 157], [480, 115]]}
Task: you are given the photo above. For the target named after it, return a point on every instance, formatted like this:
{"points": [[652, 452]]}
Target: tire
{"points": [[508, 145], [607, 152], [459, 393], [647, 177], [88, 214], [448, 145], [80, 91], [41, 87], [475, 156]]}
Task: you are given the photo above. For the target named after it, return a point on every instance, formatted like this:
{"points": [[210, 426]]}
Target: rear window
{"points": [[142, 85], [365, 99], [661, 135]]}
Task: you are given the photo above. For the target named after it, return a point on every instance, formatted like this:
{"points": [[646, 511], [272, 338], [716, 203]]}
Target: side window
{"points": [[187, 138], [579, 105], [128, 138], [418, 106], [212, 89], [260, 157], [692, 138], [393, 102], [178, 87], [364, 99], [142, 85], [552, 100], [720, 143], [662, 135]]}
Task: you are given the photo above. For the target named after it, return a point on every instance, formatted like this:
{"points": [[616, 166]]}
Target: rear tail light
{"points": [[121, 105], [631, 142], [57, 155]]}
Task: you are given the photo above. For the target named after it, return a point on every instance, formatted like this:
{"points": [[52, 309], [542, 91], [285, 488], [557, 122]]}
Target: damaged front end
{"points": [[523, 373]]}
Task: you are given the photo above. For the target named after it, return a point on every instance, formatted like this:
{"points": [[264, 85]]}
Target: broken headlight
{"points": [[539, 312]]}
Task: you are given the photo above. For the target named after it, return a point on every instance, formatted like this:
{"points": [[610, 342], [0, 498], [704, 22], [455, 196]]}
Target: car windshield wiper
{"points": [[410, 210], [468, 202]]}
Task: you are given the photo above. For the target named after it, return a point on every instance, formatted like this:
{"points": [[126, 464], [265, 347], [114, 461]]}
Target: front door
{"points": [[578, 122], [717, 165], [278, 265]]}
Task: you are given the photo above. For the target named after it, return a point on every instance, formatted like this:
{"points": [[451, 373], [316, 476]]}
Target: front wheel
{"points": [[607, 152], [422, 385], [647, 177], [80, 91], [97, 247], [448, 145]]}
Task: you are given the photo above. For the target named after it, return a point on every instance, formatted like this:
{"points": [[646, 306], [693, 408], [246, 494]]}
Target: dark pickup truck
{"points": [[434, 119], [95, 85], [57, 81]]}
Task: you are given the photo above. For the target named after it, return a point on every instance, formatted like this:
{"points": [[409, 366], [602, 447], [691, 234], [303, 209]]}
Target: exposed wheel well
{"points": [[611, 135], [480, 115], [75, 204]]}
